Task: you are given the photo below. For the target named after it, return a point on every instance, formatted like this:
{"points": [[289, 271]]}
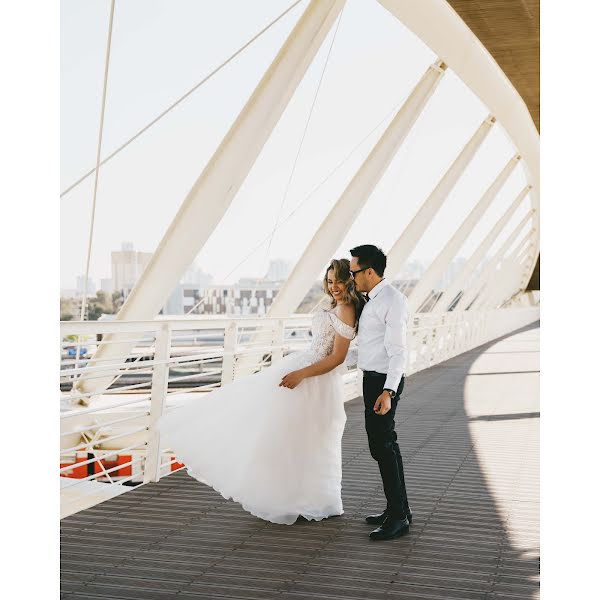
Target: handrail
{"points": [[432, 338]]}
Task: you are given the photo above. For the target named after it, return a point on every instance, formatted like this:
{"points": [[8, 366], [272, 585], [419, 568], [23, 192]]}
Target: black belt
{"points": [[373, 374]]}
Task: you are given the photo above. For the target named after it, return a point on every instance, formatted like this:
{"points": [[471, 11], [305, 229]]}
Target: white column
{"points": [[411, 235], [487, 273], [333, 229], [455, 287], [440, 263], [213, 191]]}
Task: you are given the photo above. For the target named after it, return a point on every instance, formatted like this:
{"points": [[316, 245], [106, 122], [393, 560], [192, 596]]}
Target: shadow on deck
{"points": [[468, 431]]}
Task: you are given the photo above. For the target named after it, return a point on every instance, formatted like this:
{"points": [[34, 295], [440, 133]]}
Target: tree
{"points": [[68, 309]]}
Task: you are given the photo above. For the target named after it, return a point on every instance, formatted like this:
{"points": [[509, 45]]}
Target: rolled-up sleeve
{"points": [[395, 341]]}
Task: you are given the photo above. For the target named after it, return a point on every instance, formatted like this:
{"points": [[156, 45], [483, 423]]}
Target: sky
{"points": [[161, 49]]}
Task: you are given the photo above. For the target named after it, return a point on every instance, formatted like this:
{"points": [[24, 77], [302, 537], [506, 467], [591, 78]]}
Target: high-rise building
{"points": [[279, 270], [91, 286], [127, 265], [197, 276], [106, 285]]}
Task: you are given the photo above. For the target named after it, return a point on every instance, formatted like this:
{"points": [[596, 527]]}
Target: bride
{"points": [[272, 441]]}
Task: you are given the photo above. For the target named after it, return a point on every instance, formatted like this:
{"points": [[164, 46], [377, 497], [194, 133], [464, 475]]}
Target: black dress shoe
{"points": [[391, 528], [380, 518]]}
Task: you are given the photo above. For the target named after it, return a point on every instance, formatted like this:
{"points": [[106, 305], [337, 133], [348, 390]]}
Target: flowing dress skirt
{"points": [[275, 451]]}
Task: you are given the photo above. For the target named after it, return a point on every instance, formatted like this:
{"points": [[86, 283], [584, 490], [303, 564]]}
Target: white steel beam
{"points": [[333, 229], [213, 191], [496, 277], [438, 25], [449, 251], [524, 251], [455, 287], [411, 235], [511, 283], [490, 268], [508, 284]]}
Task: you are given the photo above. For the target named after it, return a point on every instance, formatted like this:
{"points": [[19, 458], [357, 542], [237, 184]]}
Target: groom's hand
{"points": [[383, 404]]}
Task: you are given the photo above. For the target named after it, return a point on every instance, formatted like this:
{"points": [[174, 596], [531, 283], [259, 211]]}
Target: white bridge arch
{"points": [[483, 302]]}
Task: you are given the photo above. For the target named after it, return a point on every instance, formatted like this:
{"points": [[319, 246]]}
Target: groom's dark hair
{"points": [[370, 256]]}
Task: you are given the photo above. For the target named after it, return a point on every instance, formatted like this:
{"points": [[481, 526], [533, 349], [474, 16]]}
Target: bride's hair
{"points": [[341, 272]]}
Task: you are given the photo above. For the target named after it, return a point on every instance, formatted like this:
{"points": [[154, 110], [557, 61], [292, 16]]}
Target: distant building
{"points": [[188, 292], [279, 270], [127, 265], [91, 286], [196, 275], [247, 297], [106, 285], [183, 299]]}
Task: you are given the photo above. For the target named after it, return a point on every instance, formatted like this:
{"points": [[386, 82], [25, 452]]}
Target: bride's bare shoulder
{"points": [[347, 314]]}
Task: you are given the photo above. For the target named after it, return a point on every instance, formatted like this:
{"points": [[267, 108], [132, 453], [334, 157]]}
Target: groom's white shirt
{"points": [[381, 340]]}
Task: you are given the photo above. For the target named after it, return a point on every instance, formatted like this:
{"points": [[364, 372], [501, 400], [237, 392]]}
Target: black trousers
{"points": [[383, 445]]}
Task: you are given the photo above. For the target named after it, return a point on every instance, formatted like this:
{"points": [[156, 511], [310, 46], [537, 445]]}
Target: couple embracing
{"points": [[272, 441]]}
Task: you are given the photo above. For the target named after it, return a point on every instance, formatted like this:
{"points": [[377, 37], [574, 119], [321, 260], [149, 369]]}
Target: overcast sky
{"points": [[161, 49]]}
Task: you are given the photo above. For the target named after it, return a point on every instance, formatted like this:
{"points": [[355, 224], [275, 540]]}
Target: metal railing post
{"points": [[278, 333], [229, 348], [158, 394]]}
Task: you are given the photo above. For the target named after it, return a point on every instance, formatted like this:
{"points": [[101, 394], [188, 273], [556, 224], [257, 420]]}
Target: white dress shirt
{"points": [[382, 340]]}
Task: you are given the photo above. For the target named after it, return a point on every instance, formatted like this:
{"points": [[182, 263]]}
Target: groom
{"points": [[382, 357]]}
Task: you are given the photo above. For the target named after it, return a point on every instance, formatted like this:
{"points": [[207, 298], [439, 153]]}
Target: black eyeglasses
{"points": [[353, 273]]}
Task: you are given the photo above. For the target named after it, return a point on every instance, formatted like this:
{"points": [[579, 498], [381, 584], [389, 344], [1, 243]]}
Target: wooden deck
{"points": [[469, 433]]}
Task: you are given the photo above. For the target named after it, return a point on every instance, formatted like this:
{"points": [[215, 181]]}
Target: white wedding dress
{"points": [[277, 451]]}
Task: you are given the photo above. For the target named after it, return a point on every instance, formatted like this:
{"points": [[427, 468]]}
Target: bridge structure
{"points": [[125, 497]]}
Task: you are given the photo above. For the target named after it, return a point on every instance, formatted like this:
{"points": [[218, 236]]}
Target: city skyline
{"points": [[196, 275]]}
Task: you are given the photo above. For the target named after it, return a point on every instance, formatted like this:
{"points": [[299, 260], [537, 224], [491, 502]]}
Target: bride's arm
{"points": [[330, 362]]}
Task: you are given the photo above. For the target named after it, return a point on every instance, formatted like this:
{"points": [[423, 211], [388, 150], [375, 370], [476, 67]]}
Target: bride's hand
{"points": [[291, 380]]}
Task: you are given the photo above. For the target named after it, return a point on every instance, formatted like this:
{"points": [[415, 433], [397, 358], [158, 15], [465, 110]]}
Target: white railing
{"points": [[108, 437]]}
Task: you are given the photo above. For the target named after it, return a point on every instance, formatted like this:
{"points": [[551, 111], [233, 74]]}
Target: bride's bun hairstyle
{"points": [[341, 273]]}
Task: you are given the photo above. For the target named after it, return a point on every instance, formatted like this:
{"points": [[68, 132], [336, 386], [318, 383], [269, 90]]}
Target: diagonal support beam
{"points": [[332, 231], [411, 235], [508, 277], [438, 25], [213, 192], [490, 268], [507, 284], [449, 251], [456, 286]]}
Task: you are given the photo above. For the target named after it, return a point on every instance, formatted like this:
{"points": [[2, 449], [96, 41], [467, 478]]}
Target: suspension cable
{"points": [[315, 189], [293, 171], [98, 151], [309, 195], [177, 102]]}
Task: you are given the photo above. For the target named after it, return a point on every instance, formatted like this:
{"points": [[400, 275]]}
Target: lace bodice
{"points": [[325, 325]]}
